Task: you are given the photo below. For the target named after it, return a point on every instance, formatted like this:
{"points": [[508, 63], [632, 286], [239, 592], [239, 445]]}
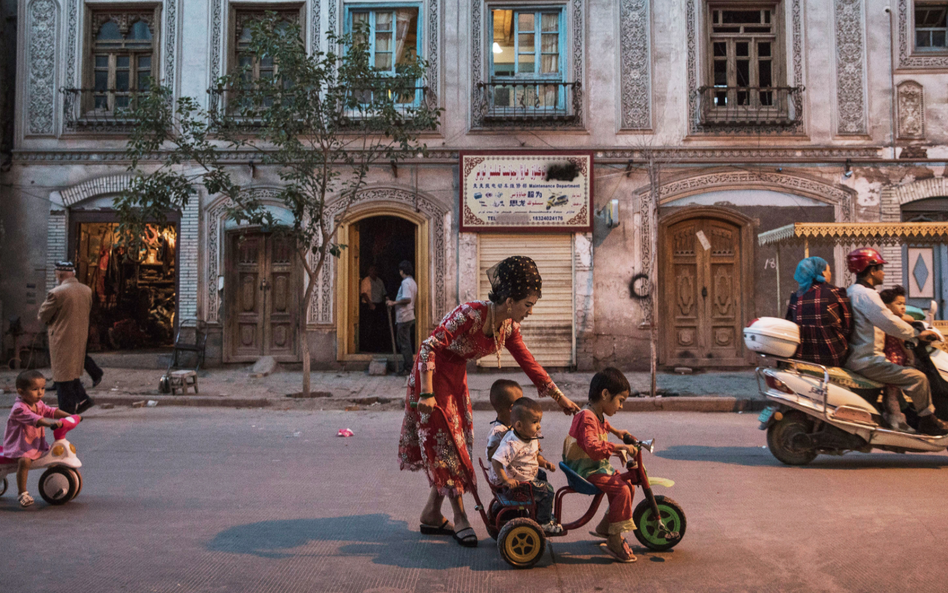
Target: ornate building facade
{"points": [[708, 122]]}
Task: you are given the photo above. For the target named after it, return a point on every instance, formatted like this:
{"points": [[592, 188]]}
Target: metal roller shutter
{"points": [[548, 332]]}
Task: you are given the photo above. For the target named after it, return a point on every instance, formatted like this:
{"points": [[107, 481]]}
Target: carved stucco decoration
{"points": [[433, 211], [124, 20], [575, 61], [694, 10], [41, 84], [911, 106], [635, 65], [908, 59], [850, 68]]}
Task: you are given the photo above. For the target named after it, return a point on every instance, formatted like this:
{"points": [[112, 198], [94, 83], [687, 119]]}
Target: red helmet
{"points": [[857, 261]]}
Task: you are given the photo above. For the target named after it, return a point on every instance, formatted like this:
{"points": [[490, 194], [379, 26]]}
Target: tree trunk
{"points": [[307, 301]]}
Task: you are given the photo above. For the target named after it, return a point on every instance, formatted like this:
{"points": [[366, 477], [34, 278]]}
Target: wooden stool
{"points": [[182, 380]]}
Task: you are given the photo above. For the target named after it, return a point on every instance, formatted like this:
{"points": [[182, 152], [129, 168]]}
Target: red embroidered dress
{"points": [[426, 443]]}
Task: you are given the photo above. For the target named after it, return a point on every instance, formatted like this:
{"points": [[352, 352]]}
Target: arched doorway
{"points": [[378, 237], [925, 267], [705, 286]]}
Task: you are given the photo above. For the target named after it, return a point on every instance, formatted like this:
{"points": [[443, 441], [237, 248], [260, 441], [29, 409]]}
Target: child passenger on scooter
{"points": [[587, 451], [503, 394], [895, 351], [517, 459], [25, 436]]}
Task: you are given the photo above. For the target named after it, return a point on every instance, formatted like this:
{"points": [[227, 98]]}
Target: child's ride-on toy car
{"points": [[61, 482]]}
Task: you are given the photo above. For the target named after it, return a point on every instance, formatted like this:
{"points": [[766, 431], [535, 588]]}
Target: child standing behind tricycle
{"points": [[587, 451]]}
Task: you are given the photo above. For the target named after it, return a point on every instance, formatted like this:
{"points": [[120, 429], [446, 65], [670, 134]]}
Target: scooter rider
{"points": [[872, 320]]}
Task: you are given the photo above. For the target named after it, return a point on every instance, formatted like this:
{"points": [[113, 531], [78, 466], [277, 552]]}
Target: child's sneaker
{"points": [[25, 499], [552, 528]]}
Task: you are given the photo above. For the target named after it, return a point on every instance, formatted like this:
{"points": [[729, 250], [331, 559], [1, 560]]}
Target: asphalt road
{"points": [[252, 500]]}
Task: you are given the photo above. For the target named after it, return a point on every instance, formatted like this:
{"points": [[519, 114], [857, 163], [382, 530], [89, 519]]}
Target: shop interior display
{"points": [[134, 294]]}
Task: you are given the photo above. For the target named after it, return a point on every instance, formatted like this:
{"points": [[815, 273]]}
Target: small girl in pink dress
{"points": [[25, 436]]}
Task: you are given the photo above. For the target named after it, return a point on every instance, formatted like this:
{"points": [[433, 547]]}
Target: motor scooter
{"points": [[817, 410], [61, 482]]}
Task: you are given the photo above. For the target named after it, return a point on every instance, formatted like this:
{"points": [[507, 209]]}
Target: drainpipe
{"points": [[888, 11]]}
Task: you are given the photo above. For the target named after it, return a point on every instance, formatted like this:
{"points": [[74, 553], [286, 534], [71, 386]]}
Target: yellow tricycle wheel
{"points": [[521, 542]]}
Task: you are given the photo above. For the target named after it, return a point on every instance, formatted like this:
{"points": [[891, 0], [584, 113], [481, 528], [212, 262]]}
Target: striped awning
{"points": [[850, 232]]}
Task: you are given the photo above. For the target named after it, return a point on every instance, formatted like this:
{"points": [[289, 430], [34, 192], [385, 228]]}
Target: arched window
{"points": [[123, 52]]}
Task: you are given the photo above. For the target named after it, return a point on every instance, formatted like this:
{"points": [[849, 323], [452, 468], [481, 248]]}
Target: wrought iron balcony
{"points": [[780, 106], [535, 101], [92, 110]]}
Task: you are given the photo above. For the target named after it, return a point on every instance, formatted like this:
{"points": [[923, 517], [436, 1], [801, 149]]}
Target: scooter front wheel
{"points": [[3, 486], [78, 478], [58, 485], [646, 524], [784, 440]]}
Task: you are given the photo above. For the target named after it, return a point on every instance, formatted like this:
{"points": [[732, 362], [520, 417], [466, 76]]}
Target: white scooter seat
{"points": [[840, 376]]}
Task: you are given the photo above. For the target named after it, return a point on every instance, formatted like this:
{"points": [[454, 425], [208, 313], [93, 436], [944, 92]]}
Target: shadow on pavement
{"points": [[749, 456], [761, 457], [386, 542]]}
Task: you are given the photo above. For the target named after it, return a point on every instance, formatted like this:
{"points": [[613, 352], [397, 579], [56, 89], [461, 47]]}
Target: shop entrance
{"points": [[262, 297], [379, 242], [134, 295]]}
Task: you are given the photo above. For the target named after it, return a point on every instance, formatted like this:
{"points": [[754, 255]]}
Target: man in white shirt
{"points": [[872, 320], [404, 304], [372, 324]]}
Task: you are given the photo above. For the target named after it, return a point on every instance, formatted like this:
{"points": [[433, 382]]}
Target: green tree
{"points": [[320, 121]]}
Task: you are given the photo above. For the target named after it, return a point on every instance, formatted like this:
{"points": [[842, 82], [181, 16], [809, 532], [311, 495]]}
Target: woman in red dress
{"points": [[439, 377]]}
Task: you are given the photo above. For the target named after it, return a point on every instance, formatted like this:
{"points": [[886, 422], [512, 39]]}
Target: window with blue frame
{"points": [[526, 60], [394, 37]]}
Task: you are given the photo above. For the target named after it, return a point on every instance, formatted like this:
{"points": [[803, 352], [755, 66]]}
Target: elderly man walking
{"points": [[66, 312]]}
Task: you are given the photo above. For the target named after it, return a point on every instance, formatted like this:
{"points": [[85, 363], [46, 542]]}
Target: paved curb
{"points": [[638, 404]]}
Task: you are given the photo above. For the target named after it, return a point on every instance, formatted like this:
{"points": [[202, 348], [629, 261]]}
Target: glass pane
{"points": [[245, 61], [526, 97], [938, 39], [743, 48], [720, 73], [550, 64], [720, 49], [741, 16], [109, 31], [764, 74], [549, 95], [550, 43], [121, 102], [767, 98], [763, 49], [742, 97], [101, 102], [743, 72], [122, 61], [502, 96], [143, 77], [245, 33], [383, 61], [527, 42], [360, 20], [525, 21], [121, 80], [525, 63], [102, 61], [549, 21], [766, 16], [140, 31], [922, 39], [383, 21], [101, 81], [383, 42], [144, 62]]}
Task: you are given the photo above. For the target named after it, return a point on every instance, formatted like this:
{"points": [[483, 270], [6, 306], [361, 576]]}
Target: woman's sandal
{"points": [[444, 529], [25, 499], [466, 537], [627, 557]]}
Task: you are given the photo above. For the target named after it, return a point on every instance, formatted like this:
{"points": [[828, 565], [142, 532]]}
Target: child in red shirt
{"points": [[895, 351], [587, 451]]}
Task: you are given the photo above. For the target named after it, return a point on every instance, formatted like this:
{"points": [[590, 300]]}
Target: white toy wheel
{"points": [[58, 485], [78, 479], [3, 486]]}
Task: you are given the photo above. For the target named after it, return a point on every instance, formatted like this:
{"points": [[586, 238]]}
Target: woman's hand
{"points": [[426, 404], [569, 408]]}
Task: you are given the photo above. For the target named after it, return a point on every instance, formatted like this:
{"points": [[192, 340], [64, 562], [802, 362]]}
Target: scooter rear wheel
{"points": [[58, 485], [646, 525], [783, 439], [3, 486]]}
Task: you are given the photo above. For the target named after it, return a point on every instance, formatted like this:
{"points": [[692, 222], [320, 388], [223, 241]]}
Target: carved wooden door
{"points": [[261, 298], [702, 313]]}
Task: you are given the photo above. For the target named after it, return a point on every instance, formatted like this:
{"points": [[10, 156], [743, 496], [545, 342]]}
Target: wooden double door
{"points": [[704, 292], [262, 296]]}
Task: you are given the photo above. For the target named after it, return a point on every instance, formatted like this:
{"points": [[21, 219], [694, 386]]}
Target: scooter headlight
{"points": [[72, 448]]}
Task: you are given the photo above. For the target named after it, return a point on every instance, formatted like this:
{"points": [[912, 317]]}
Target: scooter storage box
{"points": [[772, 335]]}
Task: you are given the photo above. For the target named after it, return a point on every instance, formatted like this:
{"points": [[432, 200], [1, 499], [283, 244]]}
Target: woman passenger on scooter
{"points": [[823, 313]]}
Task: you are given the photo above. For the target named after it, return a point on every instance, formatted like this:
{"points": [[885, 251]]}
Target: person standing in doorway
{"points": [[404, 304], [371, 317], [66, 313]]}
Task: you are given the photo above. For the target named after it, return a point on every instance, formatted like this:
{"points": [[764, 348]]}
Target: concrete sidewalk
{"points": [[351, 390]]}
